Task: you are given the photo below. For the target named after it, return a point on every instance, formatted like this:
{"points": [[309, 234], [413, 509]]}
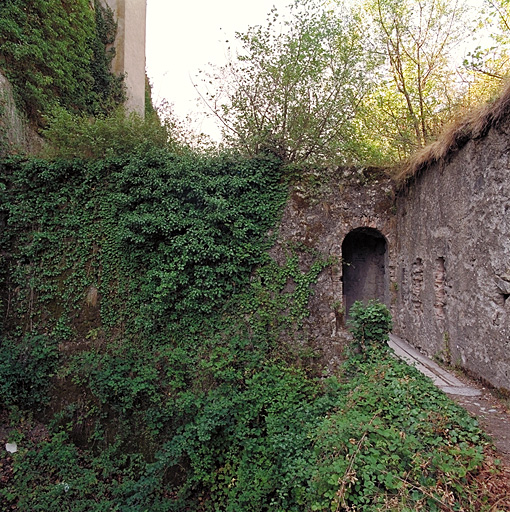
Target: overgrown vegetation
{"points": [[55, 55], [194, 227], [386, 439], [152, 355], [175, 388], [26, 368], [80, 136]]}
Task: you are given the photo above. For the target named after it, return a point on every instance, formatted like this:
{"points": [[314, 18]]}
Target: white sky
{"points": [[183, 37]]}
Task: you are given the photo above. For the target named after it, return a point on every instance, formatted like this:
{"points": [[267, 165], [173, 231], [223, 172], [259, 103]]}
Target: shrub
{"points": [[370, 323], [118, 133]]}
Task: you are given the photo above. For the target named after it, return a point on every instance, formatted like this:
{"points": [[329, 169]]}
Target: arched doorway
{"points": [[364, 266]]}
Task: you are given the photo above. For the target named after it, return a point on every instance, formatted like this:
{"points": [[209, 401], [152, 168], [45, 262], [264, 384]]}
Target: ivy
{"points": [[54, 53], [195, 227], [370, 324], [138, 290], [25, 371]]}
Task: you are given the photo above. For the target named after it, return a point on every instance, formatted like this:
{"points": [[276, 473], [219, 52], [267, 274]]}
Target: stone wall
{"points": [[317, 221], [452, 262], [130, 49], [447, 259], [16, 136]]}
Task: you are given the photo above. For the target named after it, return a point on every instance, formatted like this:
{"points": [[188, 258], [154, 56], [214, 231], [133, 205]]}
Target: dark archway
{"points": [[364, 266]]}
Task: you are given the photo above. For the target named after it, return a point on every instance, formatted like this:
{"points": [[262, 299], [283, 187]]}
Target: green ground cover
{"points": [[147, 360]]}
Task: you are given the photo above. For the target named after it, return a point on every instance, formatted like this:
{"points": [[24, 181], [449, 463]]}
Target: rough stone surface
{"points": [[317, 221], [453, 259], [446, 270], [15, 133]]}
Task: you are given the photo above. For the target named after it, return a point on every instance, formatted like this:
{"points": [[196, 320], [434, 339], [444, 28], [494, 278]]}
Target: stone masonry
{"points": [[445, 271], [317, 221], [452, 262]]}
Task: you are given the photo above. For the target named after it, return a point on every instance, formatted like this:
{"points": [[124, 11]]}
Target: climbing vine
{"points": [[156, 234], [138, 294], [55, 54]]}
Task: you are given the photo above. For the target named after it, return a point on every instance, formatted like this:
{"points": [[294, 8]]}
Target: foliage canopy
{"points": [[366, 83], [294, 87], [418, 88]]}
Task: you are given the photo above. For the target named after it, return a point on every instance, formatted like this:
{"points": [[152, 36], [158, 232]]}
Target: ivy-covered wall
{"points": [[153, 234], [57, 54]]}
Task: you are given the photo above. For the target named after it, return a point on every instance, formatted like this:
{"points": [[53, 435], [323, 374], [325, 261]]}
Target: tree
{"points": [[488, 64], [294, 87], [418, 86]]}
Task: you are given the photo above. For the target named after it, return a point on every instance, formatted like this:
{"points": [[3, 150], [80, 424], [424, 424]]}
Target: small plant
{"points": [[338, 307], [370, 324], [444, 356]]}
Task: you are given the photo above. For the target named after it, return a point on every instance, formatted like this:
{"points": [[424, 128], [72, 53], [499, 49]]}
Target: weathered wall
{"points": [[453, 259], [15, 132], [318, 221], [130, 49], [447, 261]]}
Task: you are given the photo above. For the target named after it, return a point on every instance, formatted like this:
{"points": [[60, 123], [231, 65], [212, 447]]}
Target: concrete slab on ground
{"points": [[494, 416], [443, 379]]}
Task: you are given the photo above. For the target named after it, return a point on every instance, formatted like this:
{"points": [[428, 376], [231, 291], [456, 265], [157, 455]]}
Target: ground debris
{"points": [[493, 484]]}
